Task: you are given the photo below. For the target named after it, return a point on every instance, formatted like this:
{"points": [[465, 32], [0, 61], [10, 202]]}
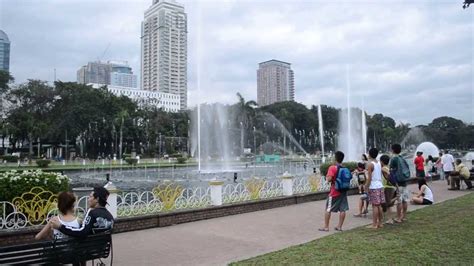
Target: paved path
{"points": [[222, 240]]}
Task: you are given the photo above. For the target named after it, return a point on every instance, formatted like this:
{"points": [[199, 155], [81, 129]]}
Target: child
{"points": [[359, 172], [66, 201], [363, 204]]}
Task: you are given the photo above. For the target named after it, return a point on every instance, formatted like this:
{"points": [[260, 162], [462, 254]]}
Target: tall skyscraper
{"points": [[4, 52], [117, 73], [275, 82], [164, 49]]}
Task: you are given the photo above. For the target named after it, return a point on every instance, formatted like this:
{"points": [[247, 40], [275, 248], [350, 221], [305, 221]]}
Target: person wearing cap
{"points": [[97, 219], [420, 165]]}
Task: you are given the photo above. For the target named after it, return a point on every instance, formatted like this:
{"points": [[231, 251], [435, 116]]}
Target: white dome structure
{"points": [[428, 148]]}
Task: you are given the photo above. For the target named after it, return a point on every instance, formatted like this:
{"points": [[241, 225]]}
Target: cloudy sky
{"points": [[411, 61]]}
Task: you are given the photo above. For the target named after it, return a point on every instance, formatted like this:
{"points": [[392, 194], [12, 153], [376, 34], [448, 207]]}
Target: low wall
{"points": [[26, 235]]}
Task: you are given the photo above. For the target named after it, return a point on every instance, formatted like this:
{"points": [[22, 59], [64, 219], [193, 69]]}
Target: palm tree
{"points": [[246, 111]]}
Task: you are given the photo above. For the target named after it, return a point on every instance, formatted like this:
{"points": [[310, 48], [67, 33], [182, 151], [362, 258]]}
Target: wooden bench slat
{"points": [[70, 250]]}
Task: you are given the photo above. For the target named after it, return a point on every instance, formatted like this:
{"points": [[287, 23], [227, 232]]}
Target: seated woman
{"points": [[424, 196], [66, 201]]}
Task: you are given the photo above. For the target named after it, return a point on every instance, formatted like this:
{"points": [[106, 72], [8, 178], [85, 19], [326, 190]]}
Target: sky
{"points": [[410, 60]]}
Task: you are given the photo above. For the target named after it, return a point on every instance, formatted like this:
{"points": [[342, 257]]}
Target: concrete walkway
{"points": [[233, 238]]}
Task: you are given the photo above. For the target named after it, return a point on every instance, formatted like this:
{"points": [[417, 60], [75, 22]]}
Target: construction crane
{"points": [[105, 52]]}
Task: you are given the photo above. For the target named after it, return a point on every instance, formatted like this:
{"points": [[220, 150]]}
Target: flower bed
{"points": [[14, 183]]}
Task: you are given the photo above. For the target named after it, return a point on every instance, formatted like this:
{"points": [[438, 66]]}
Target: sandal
{"points": [[323, 229], [358, 215], [338, 229]]}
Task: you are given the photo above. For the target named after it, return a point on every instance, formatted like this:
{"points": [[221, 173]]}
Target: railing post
{"points": [[287, 180], [216, 192], [112, 200]]}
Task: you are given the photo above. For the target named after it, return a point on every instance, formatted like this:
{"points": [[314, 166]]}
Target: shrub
{"points": [[176, 155], [14, 183], [43, 163], [325, 166], [131, 161], [10, 158], [181, 160]]}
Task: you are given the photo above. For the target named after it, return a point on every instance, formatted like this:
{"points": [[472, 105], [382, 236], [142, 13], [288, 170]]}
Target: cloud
{"points": [[410, 60]]}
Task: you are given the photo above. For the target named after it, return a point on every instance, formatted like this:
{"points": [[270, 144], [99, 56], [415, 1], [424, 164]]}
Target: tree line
{"points": [[95, 123]]}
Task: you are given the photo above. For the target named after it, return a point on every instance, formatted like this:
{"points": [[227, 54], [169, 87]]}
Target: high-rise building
{"points": [[275, 82], [116, 73], [164, 49], [4, 52]]}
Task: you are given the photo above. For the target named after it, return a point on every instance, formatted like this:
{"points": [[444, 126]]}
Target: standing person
{"points": [[431, 165], [397, 169], [97, 219], [439, 166], [337, 201], [448, 164], [424, 195], [66, 201], [389, 189], [375, 187], [360, 172], [420, 165]]}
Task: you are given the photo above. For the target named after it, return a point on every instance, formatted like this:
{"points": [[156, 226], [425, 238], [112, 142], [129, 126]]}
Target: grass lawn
{"points": [[441, 234]]}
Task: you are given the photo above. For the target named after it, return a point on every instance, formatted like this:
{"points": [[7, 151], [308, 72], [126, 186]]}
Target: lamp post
{"points": [[254, 142], [241, 138]]}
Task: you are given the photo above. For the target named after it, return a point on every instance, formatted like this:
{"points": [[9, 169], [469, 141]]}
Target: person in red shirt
{"points": [[337, 201], [420, 165]]}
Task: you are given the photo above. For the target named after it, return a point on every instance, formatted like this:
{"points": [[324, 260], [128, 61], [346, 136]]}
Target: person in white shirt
{"points": [[424, 195], [374, 186], [66, 216], [447, 161]]}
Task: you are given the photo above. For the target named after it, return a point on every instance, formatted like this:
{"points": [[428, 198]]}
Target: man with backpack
{"points": [[399, 168], [339, 177]]}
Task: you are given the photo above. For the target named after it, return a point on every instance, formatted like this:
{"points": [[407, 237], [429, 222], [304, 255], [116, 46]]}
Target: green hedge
{"points": [[325, 166], [43, 163], [9, 158], [14, 183], [131, 161], [181, 160]]}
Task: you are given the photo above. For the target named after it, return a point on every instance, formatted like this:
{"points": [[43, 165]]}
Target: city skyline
{"points": [[397, 52]]}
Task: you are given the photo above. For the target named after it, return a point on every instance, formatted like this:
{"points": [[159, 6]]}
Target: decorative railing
{"points": [[37, 206]]}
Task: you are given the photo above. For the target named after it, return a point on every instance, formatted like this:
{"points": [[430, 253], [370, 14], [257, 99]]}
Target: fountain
{"points": [[414, 136], [428, 148], [352, 134], [211, 133], [321, 131]]}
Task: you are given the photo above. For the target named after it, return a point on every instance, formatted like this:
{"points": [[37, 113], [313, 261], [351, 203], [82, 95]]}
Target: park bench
{"points": [[61, 251]]}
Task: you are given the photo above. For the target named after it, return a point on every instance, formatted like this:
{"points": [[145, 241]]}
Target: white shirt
{"points": [[376, 178], [57, 234], [447, 160], [428, 194]]}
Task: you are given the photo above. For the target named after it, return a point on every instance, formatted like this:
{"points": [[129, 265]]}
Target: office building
{"points": [[275, 82], [164, 49]]}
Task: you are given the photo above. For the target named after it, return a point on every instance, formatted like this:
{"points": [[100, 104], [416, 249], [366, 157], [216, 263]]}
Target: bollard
{"points": [[216, 192], [112, 200], [287, 180]]}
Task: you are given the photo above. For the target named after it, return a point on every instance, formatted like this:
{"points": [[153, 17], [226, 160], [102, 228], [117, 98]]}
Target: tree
{"points": [[29, 116], [5, 80]]}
